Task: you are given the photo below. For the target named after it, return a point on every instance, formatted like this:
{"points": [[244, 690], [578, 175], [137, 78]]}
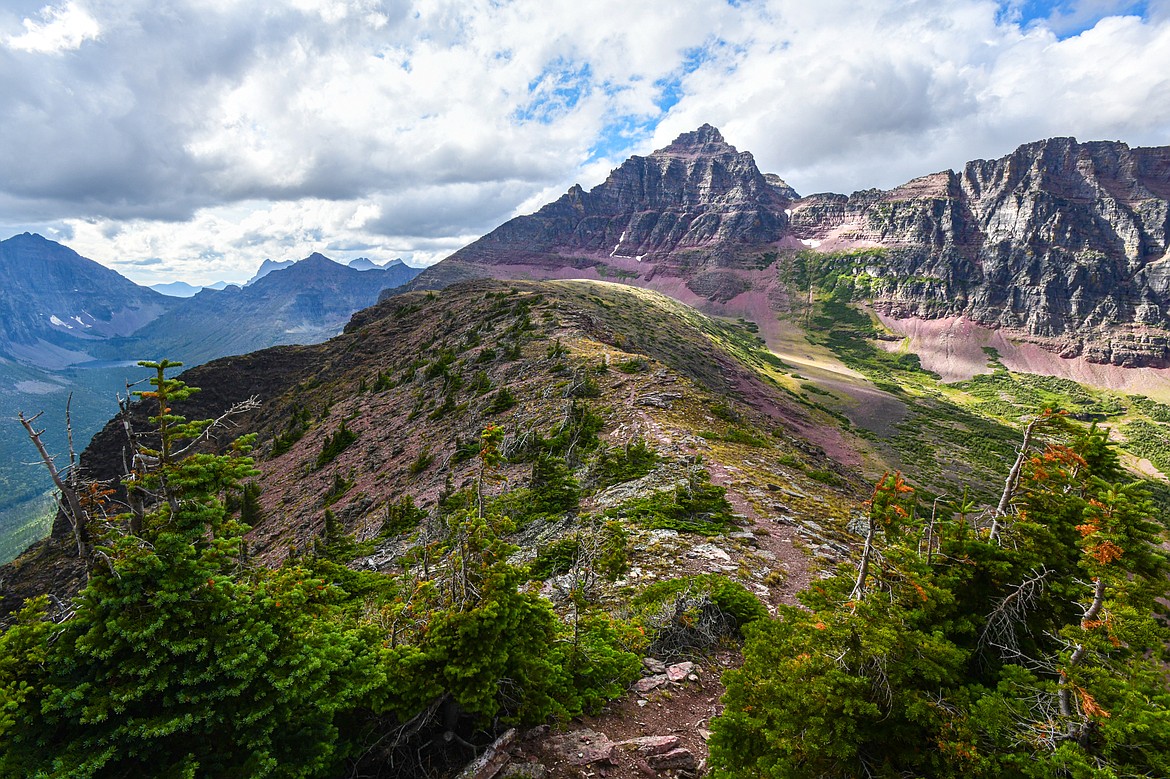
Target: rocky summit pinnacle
{"points": [[705, 140]]}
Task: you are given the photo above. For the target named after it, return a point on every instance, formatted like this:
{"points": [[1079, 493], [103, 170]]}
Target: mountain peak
{"points": [[704, 140]]}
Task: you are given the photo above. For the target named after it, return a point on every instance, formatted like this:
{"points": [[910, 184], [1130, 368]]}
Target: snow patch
{"points": [[54, 320], [788, 212], [618, 245], [811, 242], [639, 257], [77, 319]]}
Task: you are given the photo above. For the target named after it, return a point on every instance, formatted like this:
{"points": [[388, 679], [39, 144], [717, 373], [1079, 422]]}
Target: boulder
{"points": [[681, 759], [653, 665], [648, 683]]}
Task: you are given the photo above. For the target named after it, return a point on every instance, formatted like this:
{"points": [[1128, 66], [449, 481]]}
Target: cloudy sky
{"points": [[191, 139]]}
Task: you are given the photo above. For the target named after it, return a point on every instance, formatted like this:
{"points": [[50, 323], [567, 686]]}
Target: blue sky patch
{"points": [[1068, 18], [620, 134], [556, 91]]}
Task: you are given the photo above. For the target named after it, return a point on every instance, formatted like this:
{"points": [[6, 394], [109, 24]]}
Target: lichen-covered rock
{"points": [[582, 747]]}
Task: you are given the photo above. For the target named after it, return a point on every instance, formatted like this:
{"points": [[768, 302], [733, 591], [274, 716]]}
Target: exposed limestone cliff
{"points": [[1060, 242]]}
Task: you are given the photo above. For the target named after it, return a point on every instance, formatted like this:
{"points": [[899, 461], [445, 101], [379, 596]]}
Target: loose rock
{"points": [[651, 745], [653, 665], [648, 683], [582, 747], [681, 759]]}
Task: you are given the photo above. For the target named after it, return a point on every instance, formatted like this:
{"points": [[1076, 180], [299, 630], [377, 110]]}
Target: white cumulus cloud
{"points": [[194, 138], [57, 30]]}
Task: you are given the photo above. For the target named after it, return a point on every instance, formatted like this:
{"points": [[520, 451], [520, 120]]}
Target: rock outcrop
{"points": [[1061, 241]]}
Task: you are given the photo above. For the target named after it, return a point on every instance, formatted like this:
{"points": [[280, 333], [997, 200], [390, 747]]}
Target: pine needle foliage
{"points": [[181, 659], [949, 650]]}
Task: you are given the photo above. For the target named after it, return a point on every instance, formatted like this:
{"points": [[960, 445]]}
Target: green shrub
{"points": [[441, 365], [335, 444], [694, 613], [554, 559], [448, 405], [465, 450], [735, 435], [583, 386], [480, 384], [725, 412], [402, 516], [502, 401], [552, 493], [421, 463], [623, 463], [298, 424], [634, 365], [825, 477], [340, 486]]}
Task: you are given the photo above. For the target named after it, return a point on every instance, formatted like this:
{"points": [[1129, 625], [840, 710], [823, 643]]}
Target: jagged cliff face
{"points": [[1060, 242]]}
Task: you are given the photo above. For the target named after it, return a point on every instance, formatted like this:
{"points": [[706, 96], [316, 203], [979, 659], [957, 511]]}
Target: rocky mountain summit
{"points": [[697, 197], [1062, 243], [56, 304]]}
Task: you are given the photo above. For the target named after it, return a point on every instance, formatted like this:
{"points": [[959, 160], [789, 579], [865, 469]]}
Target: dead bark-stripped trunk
{"points": [[863, 565], [1012, 481], [70, 500]]}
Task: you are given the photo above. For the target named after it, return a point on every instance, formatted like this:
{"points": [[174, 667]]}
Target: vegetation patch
{"points": [[618, 464], [693, 614], [335, 443], [695, 507]]}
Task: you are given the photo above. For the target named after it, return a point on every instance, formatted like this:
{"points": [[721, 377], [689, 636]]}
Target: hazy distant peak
{"points": [[268, 266], [363, 263], [176, 289]]}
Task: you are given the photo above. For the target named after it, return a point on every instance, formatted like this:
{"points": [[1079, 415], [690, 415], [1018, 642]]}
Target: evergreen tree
{"points": [[1030, 648], [178, 661]]}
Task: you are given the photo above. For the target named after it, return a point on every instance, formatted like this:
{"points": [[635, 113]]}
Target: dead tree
{"points": [[1013, 478], [76, 498], [67, 481]]}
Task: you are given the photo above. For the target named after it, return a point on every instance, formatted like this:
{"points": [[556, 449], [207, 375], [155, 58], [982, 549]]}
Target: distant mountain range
{"points": [[70, 327], [303, 302], [181, 289], [1061, 243]]}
